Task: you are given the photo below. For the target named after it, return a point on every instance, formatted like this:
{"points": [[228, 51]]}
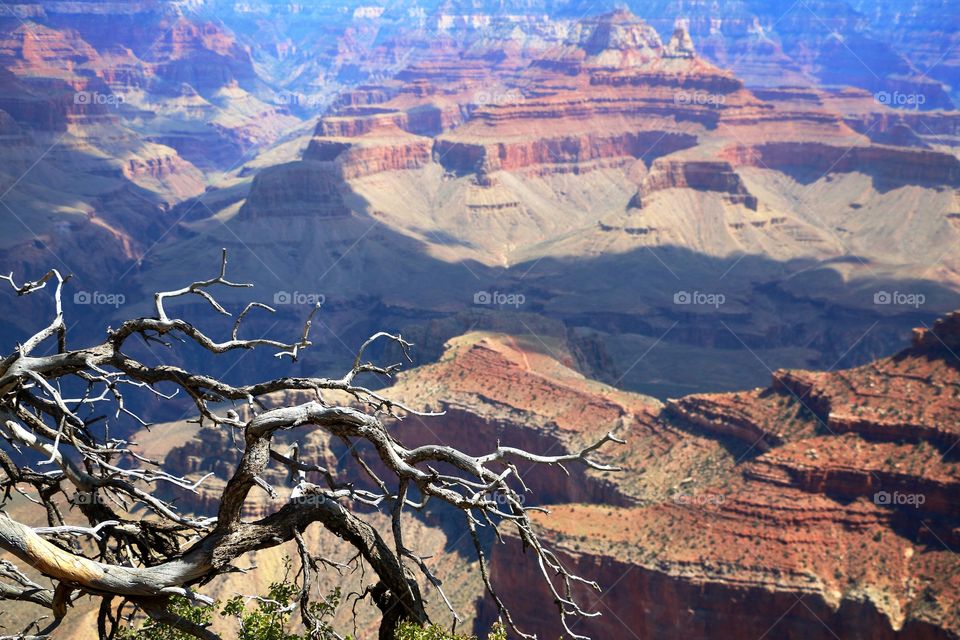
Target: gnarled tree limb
{"points": [[149, 560]]}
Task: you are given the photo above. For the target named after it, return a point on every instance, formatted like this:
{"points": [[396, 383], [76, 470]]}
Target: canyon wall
{"points": [[735, 514]]}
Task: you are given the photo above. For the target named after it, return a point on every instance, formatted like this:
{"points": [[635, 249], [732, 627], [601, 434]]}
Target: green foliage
{"points": [[269, 620], [411, 631], [152, 630]]}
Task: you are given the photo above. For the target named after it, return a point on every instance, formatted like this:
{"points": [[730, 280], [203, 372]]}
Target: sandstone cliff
{"points": [[831, 489], [735, 513]]}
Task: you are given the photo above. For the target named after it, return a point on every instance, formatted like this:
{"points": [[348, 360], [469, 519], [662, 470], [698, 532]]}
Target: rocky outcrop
{"points": [[892, 166], [699, 175], [182, 179], [301, 188], [201, 55], [944, 335], [800, 509], [427, 120], [587, 151], [878, 401], [316, 186], [680, 45], [37, 50], [358, 158], [744, 416], [849, 467], [651, 601], [619, 32]]}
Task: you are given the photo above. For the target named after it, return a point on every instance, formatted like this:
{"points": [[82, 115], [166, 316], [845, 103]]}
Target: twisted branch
{"points": [[147, 561]]}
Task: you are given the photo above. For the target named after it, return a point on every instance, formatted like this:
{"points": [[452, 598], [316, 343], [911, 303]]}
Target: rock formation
{"points": [[598, 166], [835, 489], [534, 155]]}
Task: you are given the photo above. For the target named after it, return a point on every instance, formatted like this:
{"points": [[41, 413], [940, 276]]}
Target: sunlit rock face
{"points": [[832, 487], [589, 159]]}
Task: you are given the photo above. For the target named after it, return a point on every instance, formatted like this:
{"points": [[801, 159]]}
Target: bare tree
{"points": [[145, 561]]}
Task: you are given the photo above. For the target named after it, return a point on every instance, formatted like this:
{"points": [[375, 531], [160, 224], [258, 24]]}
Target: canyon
{"points": [[825, 498], [484, 150], [819, 505], [710, 228], [538, 161]]}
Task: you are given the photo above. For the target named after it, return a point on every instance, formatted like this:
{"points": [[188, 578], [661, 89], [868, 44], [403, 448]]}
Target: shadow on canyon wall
{"points": [[661, 320]]}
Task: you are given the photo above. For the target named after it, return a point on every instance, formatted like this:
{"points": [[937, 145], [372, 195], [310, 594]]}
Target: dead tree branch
{"points": [[147, 561]]}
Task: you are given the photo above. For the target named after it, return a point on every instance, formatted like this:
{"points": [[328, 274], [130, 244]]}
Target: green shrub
{"points": [[152, 630], [411, 631], [268, 620]]}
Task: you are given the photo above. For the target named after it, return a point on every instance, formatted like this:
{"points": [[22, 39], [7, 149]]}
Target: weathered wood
{"points": [[174, 554]]}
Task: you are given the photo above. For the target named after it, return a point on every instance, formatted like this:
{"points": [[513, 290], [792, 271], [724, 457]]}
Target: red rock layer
{"points": [[489, 113], [699, 175], [890, 163], [826, 505], [736, 515], [606, 94], [357, 158], [708, 572]]}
